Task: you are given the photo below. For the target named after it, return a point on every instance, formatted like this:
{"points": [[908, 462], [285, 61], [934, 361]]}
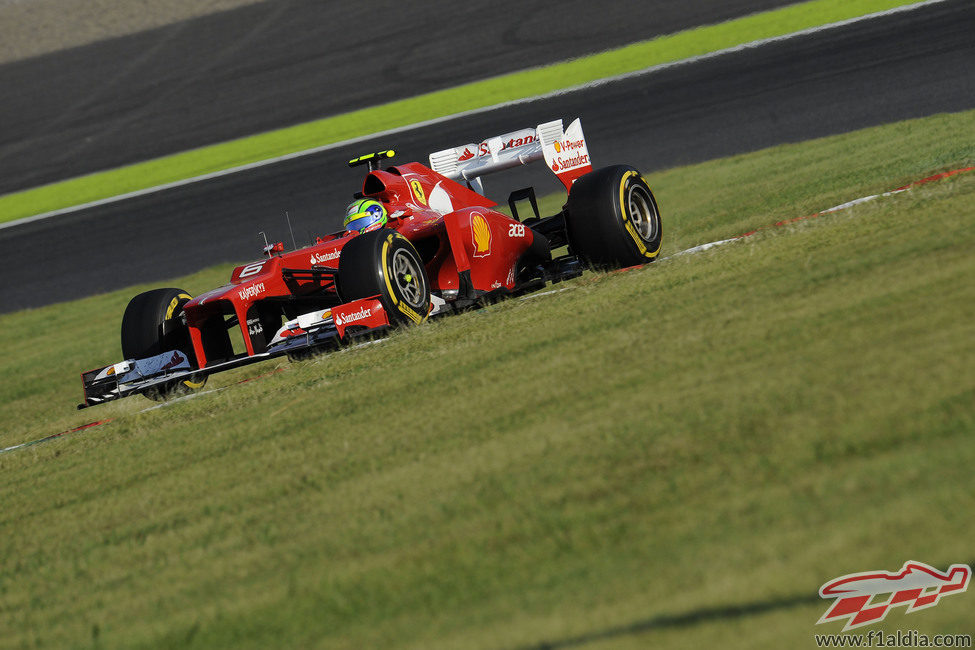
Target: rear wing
{"points": [[564, 151]]}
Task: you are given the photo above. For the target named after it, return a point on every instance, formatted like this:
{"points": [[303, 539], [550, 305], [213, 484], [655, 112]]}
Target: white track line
{"points": [[700, 248], [476, 111], [20, 446], [184, 398], [843, 206], [872, 197], [532, 296]]}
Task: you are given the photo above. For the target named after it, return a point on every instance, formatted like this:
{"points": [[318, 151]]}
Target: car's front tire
{"points": [[150, 326], [385, 263]]}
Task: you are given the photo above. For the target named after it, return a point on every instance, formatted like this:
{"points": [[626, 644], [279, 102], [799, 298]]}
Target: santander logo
{"points": [[357, 315], [322, 258]]}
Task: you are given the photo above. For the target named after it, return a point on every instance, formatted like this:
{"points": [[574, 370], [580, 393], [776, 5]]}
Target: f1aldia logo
{"points": [[916, 585]]}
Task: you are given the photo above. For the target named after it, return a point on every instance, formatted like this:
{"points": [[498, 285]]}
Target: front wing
{"points": [[316, 331]]}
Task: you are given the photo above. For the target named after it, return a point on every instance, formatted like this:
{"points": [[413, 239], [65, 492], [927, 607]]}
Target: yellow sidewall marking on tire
{"points": [[175, 303], [653, 254], [627, 224], [387, 272], [193, 385], [401, 306], [412, 315], [626, 216]]}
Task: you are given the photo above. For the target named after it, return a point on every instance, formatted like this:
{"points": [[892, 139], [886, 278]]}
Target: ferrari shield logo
{"points": [[418, 193]]}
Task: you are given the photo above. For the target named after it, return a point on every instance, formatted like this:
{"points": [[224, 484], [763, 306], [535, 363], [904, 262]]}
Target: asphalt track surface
{"points": [[892, 68], [285, 62]]}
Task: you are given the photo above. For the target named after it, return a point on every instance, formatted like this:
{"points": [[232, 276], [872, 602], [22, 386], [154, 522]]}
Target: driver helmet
{"points": [[365, 215]]}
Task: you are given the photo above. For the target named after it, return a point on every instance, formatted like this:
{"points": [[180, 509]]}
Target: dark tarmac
{"points": [[284, 62], [898, 67]]}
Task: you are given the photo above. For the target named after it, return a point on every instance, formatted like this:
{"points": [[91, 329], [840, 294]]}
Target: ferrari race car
{"points": [[443, 248]]}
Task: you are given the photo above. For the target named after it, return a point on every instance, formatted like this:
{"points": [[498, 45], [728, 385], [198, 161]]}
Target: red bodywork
{"points": [[452, 227]]}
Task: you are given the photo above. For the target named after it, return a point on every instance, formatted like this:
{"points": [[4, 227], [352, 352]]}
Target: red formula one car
{"points": [[443, 248]]}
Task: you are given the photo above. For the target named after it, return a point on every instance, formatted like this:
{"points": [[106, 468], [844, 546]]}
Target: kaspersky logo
{"points": [[251, 292], [916, 586]]}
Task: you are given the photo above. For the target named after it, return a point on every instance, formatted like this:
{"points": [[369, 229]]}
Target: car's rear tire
{"points": [[385, 263], [612, 218], [146, 318]]}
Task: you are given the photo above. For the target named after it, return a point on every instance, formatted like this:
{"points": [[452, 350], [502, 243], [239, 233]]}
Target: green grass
{"points": [[488, 92], [710, 432]]}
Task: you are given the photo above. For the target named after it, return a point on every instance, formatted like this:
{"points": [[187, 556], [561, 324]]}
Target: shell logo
{"points": [[558, 146], [418, 193], [481, 234]]}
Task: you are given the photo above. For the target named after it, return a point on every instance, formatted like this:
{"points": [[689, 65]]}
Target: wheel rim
{"points": [[408, 277], [643, 213]]}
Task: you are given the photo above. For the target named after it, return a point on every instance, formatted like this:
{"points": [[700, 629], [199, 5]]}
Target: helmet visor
{"points": [[362, 220]]}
